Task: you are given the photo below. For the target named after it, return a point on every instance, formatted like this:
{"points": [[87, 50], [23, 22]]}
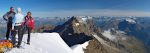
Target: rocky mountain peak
{"points": [[78, 29]]}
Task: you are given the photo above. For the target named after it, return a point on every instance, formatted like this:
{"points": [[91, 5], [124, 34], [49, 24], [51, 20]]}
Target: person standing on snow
{"points": [[9, 17], [17, 28], [29, 25]]}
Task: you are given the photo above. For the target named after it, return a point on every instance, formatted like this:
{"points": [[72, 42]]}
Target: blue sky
{"points": [[50, 8]]}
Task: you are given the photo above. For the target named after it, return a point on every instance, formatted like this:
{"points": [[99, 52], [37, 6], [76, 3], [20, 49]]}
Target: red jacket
{"points": [[29, 22]]}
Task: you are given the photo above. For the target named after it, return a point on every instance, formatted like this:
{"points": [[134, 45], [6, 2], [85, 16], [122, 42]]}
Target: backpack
{"points": [[5, 45]]}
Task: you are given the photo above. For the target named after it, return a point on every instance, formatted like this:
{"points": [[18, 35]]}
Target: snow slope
{"points": [[45, 43], [79, 48], [130, 20], [108, 34]]}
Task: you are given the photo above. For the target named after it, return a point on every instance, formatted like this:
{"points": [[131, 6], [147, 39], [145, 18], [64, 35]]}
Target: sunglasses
{"points": [[12, 9]]}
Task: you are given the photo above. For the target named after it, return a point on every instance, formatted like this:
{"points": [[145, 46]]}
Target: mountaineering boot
{"points": [[28, 43]]}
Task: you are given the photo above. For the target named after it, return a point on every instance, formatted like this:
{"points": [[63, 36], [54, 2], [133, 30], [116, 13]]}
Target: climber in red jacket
{"points": [[29, 25]]}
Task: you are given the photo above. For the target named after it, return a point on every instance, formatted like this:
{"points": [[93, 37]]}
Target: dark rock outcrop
{"points": [[73, 32]]}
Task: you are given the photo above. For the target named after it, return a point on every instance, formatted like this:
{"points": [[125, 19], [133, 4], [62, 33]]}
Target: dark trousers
{"points": [[29, 33], [19, 30], [9, 27]]}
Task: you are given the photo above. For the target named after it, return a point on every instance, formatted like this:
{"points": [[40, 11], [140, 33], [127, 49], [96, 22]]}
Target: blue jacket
{"points": [[18, 20]]}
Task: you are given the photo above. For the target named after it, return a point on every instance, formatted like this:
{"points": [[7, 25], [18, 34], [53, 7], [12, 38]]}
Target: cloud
{"points": [[91, 12]]}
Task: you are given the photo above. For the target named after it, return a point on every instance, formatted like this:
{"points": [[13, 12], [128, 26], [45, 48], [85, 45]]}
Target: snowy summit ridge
{"points": [[45, 43]]}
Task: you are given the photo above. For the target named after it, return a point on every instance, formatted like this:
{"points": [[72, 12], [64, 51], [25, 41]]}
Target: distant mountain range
{"points": [[133, 26], [118, 34]]}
